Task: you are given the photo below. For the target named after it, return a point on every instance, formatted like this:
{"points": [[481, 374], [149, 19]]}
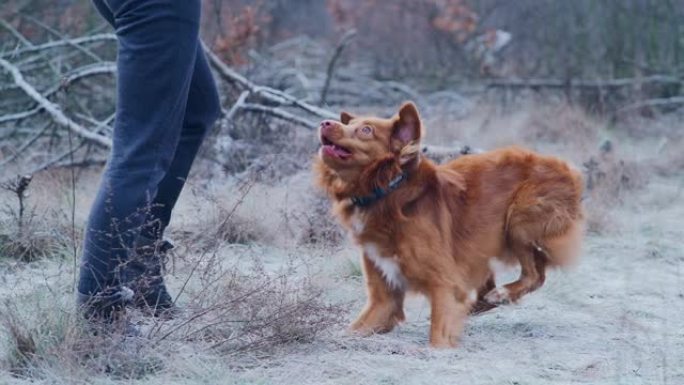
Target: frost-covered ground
{"points": [[614, 319]]}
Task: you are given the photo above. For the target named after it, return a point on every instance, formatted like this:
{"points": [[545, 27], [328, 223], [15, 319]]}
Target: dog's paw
{"points": [[481, 306], [357, 330], [498, 296]]}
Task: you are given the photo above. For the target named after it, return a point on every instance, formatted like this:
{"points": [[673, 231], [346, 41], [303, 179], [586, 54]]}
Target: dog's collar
{"points": [[379, 192]]}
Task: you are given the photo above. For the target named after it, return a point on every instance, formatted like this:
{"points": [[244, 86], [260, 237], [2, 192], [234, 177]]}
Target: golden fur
{"points": [[437, 232]]}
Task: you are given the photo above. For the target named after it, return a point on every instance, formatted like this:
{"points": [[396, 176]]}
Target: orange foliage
{"points": [[452, 17], [240, 31]]}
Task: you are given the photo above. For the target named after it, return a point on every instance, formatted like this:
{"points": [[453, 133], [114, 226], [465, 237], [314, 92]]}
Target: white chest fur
{"points": [[388, 267]]}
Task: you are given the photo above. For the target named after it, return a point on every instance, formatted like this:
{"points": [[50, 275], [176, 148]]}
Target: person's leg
{"points": [[158, 41], [145, 267], [201, 112]]}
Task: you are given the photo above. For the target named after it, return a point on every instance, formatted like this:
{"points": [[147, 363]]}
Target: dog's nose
{"points": [[326, 126]]}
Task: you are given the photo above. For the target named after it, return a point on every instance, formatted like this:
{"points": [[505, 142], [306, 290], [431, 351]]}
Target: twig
{"points": [[16, 33], [99, 126], [281, 97], [238, 104], [20, 115], [18, 186], [51, 30], [659, 102], [103, 68], [78, 163], [279, 113], [344, 41], [61, 43], [53, 109]]}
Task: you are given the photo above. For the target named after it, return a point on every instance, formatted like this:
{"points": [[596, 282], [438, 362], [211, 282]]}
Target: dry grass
{"points": [[29, 232], [229, 309], [315, 224], [238, 308], [234, 302]]}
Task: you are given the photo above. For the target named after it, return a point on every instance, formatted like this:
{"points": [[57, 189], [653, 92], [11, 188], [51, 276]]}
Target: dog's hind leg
{"points": [[533, 261], [482, 305]]}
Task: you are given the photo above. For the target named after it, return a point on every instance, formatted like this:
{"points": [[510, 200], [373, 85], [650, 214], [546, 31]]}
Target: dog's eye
{"points": [[366, 130]]}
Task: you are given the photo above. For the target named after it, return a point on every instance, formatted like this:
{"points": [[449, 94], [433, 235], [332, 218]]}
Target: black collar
{"points": [[379, 192]]}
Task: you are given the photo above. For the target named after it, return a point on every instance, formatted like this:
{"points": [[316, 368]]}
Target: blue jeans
{"points": [[166, 102]]}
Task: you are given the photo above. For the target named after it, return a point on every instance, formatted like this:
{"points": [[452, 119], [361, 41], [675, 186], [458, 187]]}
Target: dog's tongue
{"points": [[336, 151]]}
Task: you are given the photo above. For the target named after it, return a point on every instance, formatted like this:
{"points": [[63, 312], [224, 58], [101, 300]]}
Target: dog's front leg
{"points": [[449, 311], [385, 305]]}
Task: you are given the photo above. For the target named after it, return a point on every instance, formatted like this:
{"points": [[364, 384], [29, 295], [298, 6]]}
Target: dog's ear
{"points": [[346, 117], [407, 132]]}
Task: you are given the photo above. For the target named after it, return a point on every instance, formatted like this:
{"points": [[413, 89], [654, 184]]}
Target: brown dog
{"points": [[435, 228]]}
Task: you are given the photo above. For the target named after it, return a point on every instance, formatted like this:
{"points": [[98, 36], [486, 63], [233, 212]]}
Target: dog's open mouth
{"points": [[333, 150]]}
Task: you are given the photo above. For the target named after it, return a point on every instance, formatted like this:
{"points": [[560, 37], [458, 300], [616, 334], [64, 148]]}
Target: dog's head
{"points": [[354, 144]]}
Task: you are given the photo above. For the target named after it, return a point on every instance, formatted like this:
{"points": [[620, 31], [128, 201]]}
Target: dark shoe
{"points": [[105, 311], [143, 273]]}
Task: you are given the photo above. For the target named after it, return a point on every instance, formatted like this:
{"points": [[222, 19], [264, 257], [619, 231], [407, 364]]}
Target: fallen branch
{"points": [[570, 83], [659, 102], [282, 98], [79, 163], [52, 109], [103, 68], [68, 79], [267, 93]]}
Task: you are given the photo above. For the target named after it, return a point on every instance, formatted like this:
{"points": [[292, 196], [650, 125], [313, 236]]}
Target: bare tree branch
{"points": [[103, 68], [68, 79], [61, 43], [52, 109], [267, 93]]}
